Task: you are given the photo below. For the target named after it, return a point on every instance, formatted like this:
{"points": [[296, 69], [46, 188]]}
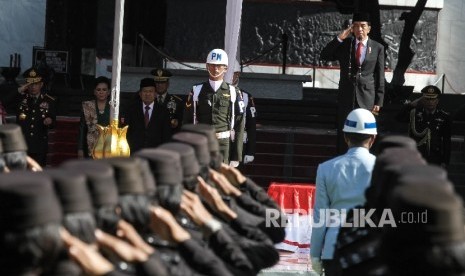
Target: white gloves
{"points": [[248, 158], [234, 164], [317, 265]]}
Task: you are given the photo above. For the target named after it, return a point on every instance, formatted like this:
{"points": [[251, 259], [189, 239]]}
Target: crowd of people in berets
{"points": [[176, 209]]}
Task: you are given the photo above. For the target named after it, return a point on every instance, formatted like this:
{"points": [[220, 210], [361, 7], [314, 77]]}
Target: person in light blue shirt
{"points": [[340, 186]]}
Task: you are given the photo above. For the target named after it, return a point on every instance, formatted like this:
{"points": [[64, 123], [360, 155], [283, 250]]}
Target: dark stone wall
{"points": [[423, 43], [196, 27]]}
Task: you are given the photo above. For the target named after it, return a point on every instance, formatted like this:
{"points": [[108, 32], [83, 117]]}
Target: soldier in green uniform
{"points": [[36, 115], [172, 103], [219, 104], [429, 126]]}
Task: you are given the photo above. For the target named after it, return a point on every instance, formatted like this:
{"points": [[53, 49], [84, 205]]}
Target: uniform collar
{"points": [[357, 149]]}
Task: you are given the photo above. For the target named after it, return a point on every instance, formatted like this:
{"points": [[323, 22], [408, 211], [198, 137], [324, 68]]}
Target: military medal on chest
{"points": [[171, 105]]}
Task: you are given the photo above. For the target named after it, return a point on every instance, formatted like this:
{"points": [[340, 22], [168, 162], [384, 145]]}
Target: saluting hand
{"points": [[22, 89], [345, 33]]}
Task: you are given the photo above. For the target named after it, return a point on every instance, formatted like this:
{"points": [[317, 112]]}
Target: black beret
{"points": [[431, 92], [391, 141], [100, 181], [161, 75], [27, 199], [71, 188], [127, 174], [165, 165], [207, 130], [361, 17], [33, 75], [145, 82], [190, 165], [12, 138]]}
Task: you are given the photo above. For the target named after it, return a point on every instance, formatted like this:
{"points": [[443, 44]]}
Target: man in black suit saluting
{"points": [[361, 60]]}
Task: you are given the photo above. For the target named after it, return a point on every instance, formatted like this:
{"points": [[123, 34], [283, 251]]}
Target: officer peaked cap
{"points": [[431, 92], [161, 75], [33, 75]]}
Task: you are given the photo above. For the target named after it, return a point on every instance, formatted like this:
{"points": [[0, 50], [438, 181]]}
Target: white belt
{"points": [[223, 134]]}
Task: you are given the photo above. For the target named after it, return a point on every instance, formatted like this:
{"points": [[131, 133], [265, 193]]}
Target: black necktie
{"points": [[146, 115]]}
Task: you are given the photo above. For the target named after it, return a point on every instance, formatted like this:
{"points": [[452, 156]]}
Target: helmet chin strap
{"points": [[217, 75]]}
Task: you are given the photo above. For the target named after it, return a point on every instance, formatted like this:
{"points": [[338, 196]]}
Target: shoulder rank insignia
{"points": [[50, 97]]}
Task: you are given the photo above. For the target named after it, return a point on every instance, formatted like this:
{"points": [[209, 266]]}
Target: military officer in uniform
{"points": [[172, 103], [220, 104], [250, 131], [36, 115], [429, 126]]}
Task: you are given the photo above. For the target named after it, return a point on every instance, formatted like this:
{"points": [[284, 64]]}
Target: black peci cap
{"points": [[190, 165], [165, 165], [100, 181], [147, 176], [146, 82], [394, 175], [198, 141], [397, 141], [27, 199], [71, 188], [361, 17], [431, 201], [12, 138], [206, 130], [394, 156], [128, 175]]}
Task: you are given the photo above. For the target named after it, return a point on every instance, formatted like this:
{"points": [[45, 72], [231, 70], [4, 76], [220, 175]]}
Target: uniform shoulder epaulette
{"points": [[50, 97], [443, 112], [176, 97]]}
